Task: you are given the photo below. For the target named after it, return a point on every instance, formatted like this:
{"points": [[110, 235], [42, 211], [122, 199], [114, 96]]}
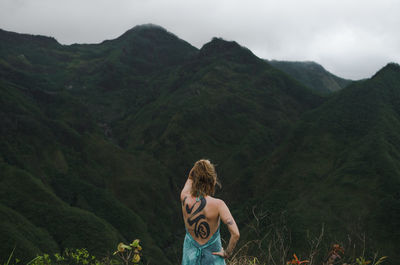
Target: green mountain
{"points": [[55, 137], [225, 103], [97, 139], [313, 75], [340, 165]]}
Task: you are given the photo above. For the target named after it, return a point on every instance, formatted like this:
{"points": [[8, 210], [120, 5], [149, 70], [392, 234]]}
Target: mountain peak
{"points": [[389, 68], [150, 46], [220, 44], [146, 29], [231, 49], [148, 26]]}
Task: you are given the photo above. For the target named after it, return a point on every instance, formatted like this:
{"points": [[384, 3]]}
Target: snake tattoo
{"points": [[201, 227]]}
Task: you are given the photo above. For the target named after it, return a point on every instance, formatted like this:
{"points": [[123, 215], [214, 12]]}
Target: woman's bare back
{"points": [[201, 217]]}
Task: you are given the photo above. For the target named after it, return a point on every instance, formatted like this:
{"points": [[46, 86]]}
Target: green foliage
{"points": [[362, 261], [69, 256], [129, 254], [17, 230], [9, 258]]}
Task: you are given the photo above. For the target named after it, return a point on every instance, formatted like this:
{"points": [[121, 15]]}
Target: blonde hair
{"points": [[204, 178]]}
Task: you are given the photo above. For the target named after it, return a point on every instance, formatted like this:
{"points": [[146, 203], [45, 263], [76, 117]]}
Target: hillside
{"points": [[56, 178], [312, 75], [54, 136], [340, 165]]}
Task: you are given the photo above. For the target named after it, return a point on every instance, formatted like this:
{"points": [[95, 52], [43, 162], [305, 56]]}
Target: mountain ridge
{"points": [[313, 75], [6, 35]]}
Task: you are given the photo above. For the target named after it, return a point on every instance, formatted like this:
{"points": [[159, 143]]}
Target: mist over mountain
{"points": [[313, 75], [97, 141]]}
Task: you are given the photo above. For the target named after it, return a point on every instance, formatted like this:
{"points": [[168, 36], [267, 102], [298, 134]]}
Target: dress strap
{"points": [[199, 197]]}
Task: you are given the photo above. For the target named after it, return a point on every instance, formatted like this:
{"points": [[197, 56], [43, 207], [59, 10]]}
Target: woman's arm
{"points": [[227, 219], [187, 188]]}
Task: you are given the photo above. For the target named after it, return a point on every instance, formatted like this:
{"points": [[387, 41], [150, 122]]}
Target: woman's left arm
{"points": [[227, 219]]}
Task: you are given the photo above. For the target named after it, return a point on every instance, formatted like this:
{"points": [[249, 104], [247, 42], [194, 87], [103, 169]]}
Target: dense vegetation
{"points": [[96, 141]]}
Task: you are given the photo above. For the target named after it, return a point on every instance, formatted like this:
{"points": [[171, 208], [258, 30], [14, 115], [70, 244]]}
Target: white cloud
{"points": [[351, 38]]}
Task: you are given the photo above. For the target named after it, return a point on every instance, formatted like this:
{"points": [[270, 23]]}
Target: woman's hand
{"points": [[221, 253]]}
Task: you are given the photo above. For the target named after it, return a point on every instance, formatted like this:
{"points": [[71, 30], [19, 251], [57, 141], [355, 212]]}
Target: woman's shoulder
{"points": [[215, 201]]}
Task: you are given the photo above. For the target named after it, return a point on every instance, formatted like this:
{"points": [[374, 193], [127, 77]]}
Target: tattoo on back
{"points": [[201, 227]]}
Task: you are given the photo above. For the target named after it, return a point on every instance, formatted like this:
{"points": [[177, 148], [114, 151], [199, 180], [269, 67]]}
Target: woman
{"points": [[202, 214]]}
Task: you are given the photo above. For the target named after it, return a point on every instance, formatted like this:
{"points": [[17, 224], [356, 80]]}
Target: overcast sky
{"points": [[350, 38]]}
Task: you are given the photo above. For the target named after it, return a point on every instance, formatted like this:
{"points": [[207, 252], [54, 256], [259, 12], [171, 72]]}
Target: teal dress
{"points": [[196, 254]]}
